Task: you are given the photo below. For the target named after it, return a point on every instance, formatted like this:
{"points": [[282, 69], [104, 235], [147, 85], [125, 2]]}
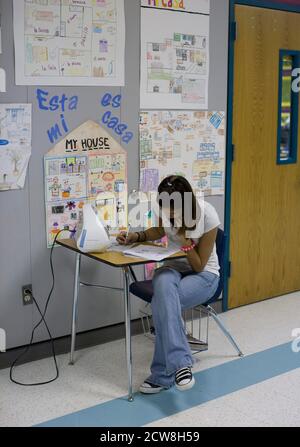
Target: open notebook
{"points": [[150, 252]]}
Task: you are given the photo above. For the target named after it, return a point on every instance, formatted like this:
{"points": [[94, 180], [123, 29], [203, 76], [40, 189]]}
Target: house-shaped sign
{"points": [[87, 166]]}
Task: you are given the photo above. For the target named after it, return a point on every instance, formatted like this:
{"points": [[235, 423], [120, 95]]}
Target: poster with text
{"points": [[200, 6], [69, 42], [174, 59], [15, 145], [187, 143], [87, 166]]}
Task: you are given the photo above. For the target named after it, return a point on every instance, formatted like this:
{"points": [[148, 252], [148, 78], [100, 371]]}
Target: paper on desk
{"points": [[151, 253], [116, 247], [119, 248]]}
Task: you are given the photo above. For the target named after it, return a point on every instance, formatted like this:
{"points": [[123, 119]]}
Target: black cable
{"points": [[42, 314]]}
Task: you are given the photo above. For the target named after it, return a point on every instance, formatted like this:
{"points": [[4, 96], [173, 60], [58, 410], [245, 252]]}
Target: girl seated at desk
{"points": [[180, 284]]}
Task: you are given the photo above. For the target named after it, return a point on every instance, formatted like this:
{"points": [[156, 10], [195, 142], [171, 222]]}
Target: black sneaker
{"points": [[150, 388], [184, 379]]}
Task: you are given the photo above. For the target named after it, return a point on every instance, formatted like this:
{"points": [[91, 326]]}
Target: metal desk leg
{"points": [[127, 309], [75, 306]]}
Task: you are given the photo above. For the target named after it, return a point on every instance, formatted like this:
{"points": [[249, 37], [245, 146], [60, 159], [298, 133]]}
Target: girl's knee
{"points": [[163, 280], [165, 275]]}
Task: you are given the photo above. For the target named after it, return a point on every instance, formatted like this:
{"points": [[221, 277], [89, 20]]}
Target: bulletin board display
{"points": [[69, 42], [174, 57], [187, 143], [88, 166]]}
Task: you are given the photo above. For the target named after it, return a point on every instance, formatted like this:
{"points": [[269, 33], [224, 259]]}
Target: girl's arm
{"points": [[199, 256], [153, 234]]}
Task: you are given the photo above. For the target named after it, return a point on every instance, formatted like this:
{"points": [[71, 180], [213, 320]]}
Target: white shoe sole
{"points": [[146, 390], [186, 387]]}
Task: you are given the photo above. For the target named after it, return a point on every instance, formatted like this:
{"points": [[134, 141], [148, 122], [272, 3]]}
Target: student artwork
{"points": [[200, 6], [15, 145], [187, 143], [88, 166], [174, 57], [69, 42]]}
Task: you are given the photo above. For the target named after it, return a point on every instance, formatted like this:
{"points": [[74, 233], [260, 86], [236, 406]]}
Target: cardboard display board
{"points": [[88, 166]]}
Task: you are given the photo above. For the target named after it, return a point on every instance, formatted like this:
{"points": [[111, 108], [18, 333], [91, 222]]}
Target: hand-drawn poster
{"points": [[187, 143], [69, 42], [15, 145], [175, 56], [87, 166], [200, 6]]}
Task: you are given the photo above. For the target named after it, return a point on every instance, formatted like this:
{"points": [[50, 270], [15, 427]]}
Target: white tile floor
{"points": [[99, 375]]}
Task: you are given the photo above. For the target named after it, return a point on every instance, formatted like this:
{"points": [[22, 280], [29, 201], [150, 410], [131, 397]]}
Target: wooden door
{"points": [[265, 195]]}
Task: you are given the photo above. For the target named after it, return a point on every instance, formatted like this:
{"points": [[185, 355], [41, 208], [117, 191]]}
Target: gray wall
{"points": [[24, 256]]}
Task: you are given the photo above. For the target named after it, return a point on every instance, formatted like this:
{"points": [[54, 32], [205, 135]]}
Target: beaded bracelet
{"points": [[188, 248]]}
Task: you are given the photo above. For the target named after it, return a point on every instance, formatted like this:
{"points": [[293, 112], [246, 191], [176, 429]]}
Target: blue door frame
{"points": [[229, 143]]}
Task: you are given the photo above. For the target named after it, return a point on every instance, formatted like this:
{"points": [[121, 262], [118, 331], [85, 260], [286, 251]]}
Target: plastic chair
{"points": [[144, 291]]}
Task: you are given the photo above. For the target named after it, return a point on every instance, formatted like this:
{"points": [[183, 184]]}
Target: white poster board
{"points": [[174, 59], [187, 143], [200, 6], [70, 42], [87, 166], [15, 145]]}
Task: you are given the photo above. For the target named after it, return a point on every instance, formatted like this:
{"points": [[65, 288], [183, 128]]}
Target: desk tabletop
{"points": [[114, 259]]}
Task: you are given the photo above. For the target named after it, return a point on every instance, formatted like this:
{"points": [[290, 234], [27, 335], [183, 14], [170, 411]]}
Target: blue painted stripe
{"points": [[210, 384]]}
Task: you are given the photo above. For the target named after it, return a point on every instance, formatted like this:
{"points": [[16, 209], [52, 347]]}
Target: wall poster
{"points": [[174, 54], [69, 42], [88, 166], [187, 143]]}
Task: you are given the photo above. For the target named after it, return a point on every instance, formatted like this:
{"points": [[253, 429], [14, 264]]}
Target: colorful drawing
{"points": [[69, 179], [69, 42], [15, 149], [97, 176], [174, 59], [201, 6], [63, 216], [185, 143]]}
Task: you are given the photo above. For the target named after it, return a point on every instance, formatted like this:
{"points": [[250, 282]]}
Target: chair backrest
{"points": [[220, 245]]}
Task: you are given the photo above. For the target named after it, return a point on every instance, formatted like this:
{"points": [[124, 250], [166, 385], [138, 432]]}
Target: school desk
{"points": [[115, 260]]}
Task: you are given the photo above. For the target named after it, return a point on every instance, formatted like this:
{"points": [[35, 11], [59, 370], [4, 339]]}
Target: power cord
{"points": [[42, 320]]}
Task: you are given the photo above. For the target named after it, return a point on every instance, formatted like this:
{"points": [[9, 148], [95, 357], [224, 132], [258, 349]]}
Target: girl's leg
{"points": [[172, 294], [197, 289], [172, 351]]}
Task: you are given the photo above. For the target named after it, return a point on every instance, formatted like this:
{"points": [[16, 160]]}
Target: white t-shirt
{"points": [[209, 220]]}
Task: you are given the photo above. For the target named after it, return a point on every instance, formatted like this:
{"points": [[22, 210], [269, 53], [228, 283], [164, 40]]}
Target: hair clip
{"points": [[169, 184]]}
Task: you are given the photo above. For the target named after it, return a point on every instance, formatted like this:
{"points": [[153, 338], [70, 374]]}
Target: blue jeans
{"points": [[173, 292]]}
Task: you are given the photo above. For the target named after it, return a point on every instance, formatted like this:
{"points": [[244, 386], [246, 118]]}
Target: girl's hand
{"points": [[130, 239]]}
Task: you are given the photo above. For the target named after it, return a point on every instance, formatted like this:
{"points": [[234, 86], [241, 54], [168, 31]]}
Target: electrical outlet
{"points": [[27, 294]]}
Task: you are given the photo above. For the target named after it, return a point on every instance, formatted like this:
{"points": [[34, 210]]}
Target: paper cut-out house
{"points": [[88, 165]]}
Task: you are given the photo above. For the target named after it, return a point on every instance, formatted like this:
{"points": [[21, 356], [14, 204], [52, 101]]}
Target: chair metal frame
{"points": [[197, 342]]}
